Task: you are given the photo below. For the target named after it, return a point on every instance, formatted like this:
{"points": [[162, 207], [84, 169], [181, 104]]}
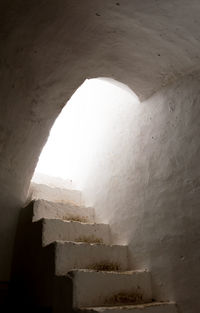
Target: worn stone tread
{"points": [[63, 242], [58, 229], [68, 221], [110, 288], [119, 272], [81, 255], [153, 307], [62, 210]]}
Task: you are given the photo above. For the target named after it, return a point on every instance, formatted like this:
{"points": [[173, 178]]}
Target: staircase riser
{"points": [[41, 191], [74, 231], [66, 211], [74, 256], [99, 288]]}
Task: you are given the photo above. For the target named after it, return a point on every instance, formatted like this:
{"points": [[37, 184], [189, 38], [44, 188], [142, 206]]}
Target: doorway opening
{"points": [[86, 134]]}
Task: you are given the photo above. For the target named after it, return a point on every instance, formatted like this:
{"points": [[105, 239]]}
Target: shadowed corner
{"points": [[32, 275]]}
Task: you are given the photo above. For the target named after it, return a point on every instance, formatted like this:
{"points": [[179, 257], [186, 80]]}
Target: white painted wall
{"points": [[145, 44], [141, 173], [47, 51], [147, 187]]}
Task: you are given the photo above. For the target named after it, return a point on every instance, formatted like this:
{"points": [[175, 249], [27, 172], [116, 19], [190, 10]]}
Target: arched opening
{"points": [[88, 136]]}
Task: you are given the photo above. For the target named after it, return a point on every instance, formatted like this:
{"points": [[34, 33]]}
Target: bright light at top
{"points": [[82, 131]]}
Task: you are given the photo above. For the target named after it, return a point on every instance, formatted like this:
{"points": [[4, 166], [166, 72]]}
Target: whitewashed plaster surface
{"points": [[56, 229], [69, 255], [128, 282], [48, 48], [150, 190]]}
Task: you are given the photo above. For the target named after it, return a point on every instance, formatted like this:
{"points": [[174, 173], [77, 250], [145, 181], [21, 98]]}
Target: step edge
{"points": [[128, 272], [63, 242], [63, 203], [68, 221], [129, 306]]}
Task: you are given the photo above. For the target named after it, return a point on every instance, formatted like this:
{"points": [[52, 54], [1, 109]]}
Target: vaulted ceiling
{"points": [[50, 47]]}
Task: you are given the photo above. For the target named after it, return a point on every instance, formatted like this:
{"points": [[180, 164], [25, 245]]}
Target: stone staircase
{"points": [[75, 267]]}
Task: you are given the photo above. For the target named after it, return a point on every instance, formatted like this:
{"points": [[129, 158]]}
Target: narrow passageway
{"points": [[136, 162]]}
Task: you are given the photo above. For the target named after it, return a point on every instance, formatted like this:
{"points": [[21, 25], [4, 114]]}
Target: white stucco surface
{"points": [[65, 211], [54, 193], [48, 48], [53, 182], [56, 229], [71, 255], [93, 283], [150, 193]]}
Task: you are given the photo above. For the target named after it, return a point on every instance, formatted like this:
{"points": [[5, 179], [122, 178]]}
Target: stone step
{"points": [[55, 229], [73, 255], [63, 211], [154, 307], [100, 288], [42, 191]]}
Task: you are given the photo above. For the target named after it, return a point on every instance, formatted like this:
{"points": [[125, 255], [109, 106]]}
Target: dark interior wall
{"points": [[49, 47]]}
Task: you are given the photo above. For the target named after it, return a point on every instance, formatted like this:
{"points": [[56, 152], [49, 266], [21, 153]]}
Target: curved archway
{"points": [[86, 134]]}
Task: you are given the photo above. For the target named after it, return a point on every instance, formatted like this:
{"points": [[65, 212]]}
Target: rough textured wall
{"points": [[49, 47], [150, 190]]}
